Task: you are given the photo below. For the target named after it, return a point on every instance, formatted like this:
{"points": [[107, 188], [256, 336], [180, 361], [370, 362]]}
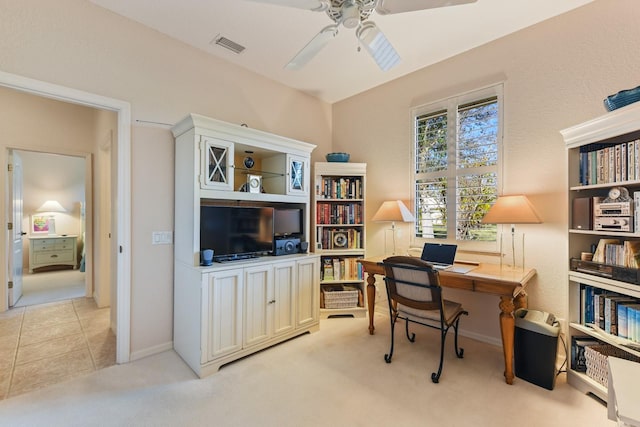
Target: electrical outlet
{"points": [[563, 325]]}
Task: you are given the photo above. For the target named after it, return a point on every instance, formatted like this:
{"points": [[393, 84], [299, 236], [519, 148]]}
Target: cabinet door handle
{"points": [[272, 301], [54, 256]]}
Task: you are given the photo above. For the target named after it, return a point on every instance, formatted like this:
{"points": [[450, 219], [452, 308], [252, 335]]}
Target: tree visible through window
{"points": [[457, 163]]}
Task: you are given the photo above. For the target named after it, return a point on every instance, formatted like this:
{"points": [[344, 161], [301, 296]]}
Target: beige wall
{"points": [[556, 75], [77, 44]]}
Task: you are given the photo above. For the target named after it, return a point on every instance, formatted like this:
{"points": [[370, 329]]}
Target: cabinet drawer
{"points": [[44, 245], [63, 245], [52, 244], [53, 257]]}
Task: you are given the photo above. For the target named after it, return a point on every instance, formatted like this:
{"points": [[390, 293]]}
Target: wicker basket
{"points": [[340, 299], [596, 361]]}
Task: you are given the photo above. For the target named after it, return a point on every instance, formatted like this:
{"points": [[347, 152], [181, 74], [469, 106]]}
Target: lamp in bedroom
{"points": [[51, 207]]}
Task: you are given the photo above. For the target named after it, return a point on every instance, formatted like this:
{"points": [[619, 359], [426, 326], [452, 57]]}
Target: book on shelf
{"points": [[623, 319], [338, 213], [340, 188], [601, 163], [601, 249], [636, 207], [342, 268], [327, 269], [633, 320], [620, 253], [598, 308], [611, 312], [587, 294], [338, 269]]}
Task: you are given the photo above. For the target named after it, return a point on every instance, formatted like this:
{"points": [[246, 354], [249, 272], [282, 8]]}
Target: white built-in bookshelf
{"points": [[604, 292], [339, 232]]}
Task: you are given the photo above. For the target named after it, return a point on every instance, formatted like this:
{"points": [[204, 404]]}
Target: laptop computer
{"points": [[440, 255]]}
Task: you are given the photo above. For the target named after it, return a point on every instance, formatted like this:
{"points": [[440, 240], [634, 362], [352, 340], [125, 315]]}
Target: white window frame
{"points": [[451, 104]]}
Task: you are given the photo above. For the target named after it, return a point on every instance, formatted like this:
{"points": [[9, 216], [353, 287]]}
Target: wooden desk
{"points": [[486, 278]]}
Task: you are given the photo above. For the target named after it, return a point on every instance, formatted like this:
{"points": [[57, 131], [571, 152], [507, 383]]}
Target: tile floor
{"points": [[49, 343]]}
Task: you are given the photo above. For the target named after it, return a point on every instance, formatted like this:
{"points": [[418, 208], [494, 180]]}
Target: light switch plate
{"points": [[161, 237]]}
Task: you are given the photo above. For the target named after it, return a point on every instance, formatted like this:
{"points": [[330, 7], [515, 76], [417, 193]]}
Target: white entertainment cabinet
{"points": [[229, 310]]}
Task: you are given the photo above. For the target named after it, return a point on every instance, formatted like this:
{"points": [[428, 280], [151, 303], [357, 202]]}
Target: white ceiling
{"points": [[273, 34]]}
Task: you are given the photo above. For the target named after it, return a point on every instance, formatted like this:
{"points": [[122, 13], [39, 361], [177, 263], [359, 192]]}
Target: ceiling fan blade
{"points": [[378, 46], [387, 7], [313, 47], [315, 5]]}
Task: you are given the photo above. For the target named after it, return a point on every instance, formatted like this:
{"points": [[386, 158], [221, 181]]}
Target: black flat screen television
{"points": [[235, 232], [287, 222]]}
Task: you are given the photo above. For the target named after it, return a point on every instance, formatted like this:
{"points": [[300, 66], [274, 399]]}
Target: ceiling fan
{"points": [[355, 14]]}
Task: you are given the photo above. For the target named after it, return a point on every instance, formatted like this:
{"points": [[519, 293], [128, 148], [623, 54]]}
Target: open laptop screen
{"points": [[439, 253]]}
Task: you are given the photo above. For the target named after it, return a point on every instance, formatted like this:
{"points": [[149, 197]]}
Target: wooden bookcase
{"points": [[339, 236], [612, 131]]}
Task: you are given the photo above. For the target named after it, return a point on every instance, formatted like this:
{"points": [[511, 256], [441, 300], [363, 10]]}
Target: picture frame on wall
{"points": [[39, 224]]}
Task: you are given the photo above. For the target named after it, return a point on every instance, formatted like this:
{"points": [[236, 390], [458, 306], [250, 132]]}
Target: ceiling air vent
{"points": [[228, 44]]}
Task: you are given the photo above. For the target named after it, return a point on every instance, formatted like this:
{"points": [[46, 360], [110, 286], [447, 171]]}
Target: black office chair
{"points": [[415, 295]]}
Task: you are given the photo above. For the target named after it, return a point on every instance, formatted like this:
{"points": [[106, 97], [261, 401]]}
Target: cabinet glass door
{"points": [[298, 175], [217, 167]]}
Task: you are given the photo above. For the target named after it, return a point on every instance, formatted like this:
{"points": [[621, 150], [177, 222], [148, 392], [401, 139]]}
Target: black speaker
{"points": [[582, 213], [287, 246], [304, 246]]}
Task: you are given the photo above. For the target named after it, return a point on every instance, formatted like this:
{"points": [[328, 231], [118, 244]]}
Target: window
{"points": [[458, 160]]}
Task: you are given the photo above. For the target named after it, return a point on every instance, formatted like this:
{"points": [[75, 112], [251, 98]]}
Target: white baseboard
{"points": [[482, 338], [151, 351]]}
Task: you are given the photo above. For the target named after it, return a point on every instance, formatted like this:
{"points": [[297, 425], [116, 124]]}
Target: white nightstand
{"points": [[52, 250]]}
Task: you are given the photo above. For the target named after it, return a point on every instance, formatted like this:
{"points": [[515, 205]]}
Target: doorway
{"points": [[122, 190], [51, 274]]}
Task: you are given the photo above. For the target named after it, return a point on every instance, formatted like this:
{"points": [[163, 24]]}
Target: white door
{"points": [[15, 235]]}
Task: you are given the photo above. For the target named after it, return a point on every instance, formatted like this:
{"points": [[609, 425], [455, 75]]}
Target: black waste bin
{"points": [[536, 344]]}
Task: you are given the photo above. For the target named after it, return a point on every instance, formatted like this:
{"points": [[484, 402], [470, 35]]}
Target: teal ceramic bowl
{"points": [[338, 157], [622, 98]]}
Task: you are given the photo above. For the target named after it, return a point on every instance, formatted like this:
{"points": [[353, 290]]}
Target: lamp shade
{"points": [[51, 206], [514, 209], [393, 210]]}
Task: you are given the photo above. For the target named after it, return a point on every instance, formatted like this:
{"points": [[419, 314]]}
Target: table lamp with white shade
{"points": [[51, 207], [392, 211], [512, 209]]}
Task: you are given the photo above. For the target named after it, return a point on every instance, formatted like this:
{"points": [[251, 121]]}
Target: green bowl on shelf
{"points": [[337, 157]]}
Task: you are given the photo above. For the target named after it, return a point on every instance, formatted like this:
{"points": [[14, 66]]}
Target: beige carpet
{"points": [[335, 377], [44, 287]]}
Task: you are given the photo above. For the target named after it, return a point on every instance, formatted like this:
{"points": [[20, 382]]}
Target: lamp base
{"points": [[390, 241], [52, 226], [512, 251]]}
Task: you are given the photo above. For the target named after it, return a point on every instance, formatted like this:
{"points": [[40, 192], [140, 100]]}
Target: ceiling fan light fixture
{"points": [[350, 15], [378, 46]]}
